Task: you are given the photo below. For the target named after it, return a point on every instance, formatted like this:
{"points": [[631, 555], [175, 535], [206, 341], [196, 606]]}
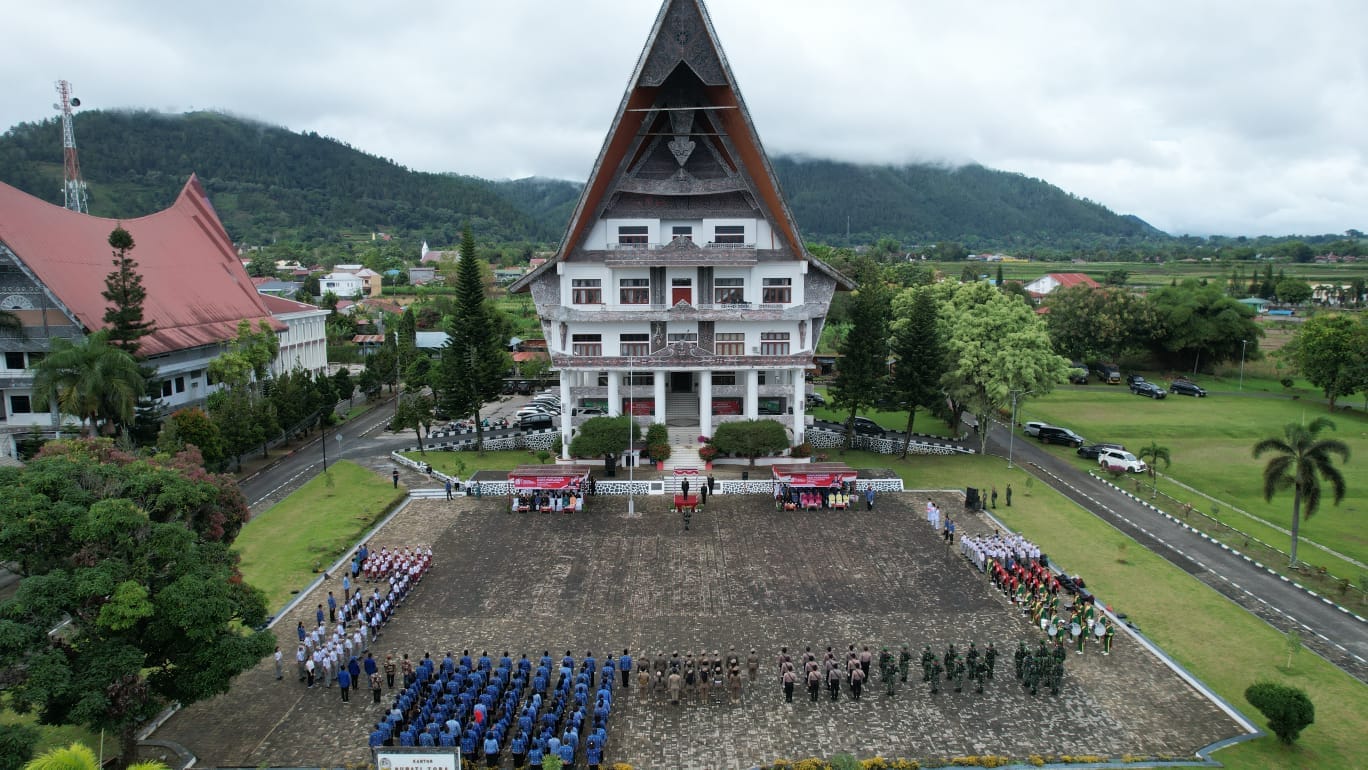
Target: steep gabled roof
{"points": [[683, 40], [1068, 280], [197, 289]]}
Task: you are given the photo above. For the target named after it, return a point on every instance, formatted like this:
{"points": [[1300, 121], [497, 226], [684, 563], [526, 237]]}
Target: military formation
{"points": [[973, 666]]}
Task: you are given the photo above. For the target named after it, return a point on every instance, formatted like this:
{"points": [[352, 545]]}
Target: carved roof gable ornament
{"points": [[693, 160]]}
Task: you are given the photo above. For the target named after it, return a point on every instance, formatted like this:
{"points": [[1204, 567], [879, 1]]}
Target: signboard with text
{"points": [[417, 758], [726, 406], [638, 407]]}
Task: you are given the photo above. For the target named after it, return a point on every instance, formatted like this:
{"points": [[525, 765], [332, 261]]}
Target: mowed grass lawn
{"points": [[1211, 441], [312, 527], [465, 464]]}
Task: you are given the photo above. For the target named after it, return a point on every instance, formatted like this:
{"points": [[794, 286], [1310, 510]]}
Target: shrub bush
{"points": [[1287, 709], [16, 745]]}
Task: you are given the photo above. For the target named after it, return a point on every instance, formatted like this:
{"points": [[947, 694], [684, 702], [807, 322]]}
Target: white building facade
{"points": [[344, 285], [682, 292]]}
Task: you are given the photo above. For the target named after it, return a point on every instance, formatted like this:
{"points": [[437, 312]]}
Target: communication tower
{"points": [[74, 186]]}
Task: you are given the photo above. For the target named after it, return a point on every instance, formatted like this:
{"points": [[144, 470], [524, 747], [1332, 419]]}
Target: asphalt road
{"points": [[1333, 634]]}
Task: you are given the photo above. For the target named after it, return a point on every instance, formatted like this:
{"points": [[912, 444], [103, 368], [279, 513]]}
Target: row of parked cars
{"points": [[1107, 455]]}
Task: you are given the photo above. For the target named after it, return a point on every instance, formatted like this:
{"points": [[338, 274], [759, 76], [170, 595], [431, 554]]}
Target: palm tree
{"points": [[79, 756], [90, 379], [1300, 462], [1153, 455]]}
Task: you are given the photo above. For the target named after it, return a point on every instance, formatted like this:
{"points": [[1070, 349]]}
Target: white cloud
{"points": [[1219, 116]]}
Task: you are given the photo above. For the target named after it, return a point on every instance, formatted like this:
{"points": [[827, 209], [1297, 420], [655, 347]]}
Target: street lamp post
{"points": [[1011, 429], [1242, 358]]}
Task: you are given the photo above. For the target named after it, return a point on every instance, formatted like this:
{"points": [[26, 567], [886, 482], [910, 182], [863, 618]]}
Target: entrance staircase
{"points": [[681, 409]]}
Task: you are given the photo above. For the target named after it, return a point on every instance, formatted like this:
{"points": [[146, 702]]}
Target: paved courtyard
{"points": [[743, 575]]}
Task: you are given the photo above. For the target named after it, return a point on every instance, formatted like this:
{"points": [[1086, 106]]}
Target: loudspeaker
{"points": [[971, 498]]}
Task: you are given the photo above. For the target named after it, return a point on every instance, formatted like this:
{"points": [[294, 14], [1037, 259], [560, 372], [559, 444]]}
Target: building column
{"points": [[614, 400], [752, 394], [566, 409], [799, 405], [705, 404], [659, 381]]}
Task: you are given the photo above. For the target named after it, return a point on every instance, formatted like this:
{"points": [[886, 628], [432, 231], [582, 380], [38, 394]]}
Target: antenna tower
{"points": [[74, 187]]}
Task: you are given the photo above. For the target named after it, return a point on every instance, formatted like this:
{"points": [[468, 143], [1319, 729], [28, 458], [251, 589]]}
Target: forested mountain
{"points": [[265, 182], [269, 183]]}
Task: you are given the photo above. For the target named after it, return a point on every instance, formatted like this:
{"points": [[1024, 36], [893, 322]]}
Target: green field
{"points": [[283, 547], [925, 423], [1210, 441], [1156, 275]]}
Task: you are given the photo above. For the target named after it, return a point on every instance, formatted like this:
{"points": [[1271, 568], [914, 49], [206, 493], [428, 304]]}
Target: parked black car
{"points": [[816, 399], [1049, 434], [1092, 450], [866, 425], [1187, 388], [536, 422], [1141, 387]]}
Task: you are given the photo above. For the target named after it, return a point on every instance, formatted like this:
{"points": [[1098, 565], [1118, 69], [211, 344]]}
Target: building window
{"points": [[681, 232], [166, 389], [14, 360], [586, 291], [731, 234], [20, 405], [586, 344], [634, 291], [633, 235], [729, 343], [777, 291], [635, 378], [180, 384], [724, 378], [35, 358], [774, 343], [729, 291], [635, 344]]}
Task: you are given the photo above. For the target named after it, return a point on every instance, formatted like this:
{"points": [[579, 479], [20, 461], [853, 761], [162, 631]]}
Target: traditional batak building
{"points": [[53, 264], [681, 292]]}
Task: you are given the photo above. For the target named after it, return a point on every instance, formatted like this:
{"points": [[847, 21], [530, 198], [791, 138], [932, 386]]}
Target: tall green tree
{"points": [[474, 359], [919, 360], [606, 437], [1153, 455], [1331, 349], [862, 372], [415, 411], [1301, 461], [155, 611], [91, 380], [406, 347], [192, 426], [1200, 326], [1085, 322], [995, 345], [125, 293]]}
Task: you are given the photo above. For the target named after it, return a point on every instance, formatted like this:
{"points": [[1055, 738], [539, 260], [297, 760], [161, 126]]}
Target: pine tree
{"points": [[124, 290], [862, 374], [474, 359]]}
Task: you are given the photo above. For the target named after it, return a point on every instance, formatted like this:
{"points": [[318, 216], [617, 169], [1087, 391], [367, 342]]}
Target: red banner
{"points": [[726, 406], [638, 407], [817, 479], [544, 482]]}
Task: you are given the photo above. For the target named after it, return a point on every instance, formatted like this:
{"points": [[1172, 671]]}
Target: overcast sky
{"points": [[1199, 116]]}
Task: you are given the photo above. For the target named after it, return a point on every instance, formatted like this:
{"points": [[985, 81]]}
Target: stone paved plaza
{"points": [[743, 575]]}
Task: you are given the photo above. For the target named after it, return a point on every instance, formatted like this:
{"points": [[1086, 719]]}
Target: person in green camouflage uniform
{"points": [[949, 658], [979, 673], [1032, 667], [928, 657], [889, 672], [1057, 675], [972, 659], [990, 659], [958, 663], [935, 675], [1019, 659], [904, 663]]}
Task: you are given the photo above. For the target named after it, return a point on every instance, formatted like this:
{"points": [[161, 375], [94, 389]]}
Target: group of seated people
{"points": [[810, 499], [564, 501], [530, 709]]}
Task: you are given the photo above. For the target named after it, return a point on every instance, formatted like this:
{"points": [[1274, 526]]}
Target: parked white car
{"points": [[1033, 427], [1120, 458]]}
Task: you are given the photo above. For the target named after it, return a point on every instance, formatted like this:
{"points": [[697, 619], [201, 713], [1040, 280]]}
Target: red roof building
{"points": [[1048, 283], [53, 264]]}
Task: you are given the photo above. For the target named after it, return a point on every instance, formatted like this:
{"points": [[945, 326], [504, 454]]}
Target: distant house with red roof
{"points": [[1048, 283], [53, 264]]}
